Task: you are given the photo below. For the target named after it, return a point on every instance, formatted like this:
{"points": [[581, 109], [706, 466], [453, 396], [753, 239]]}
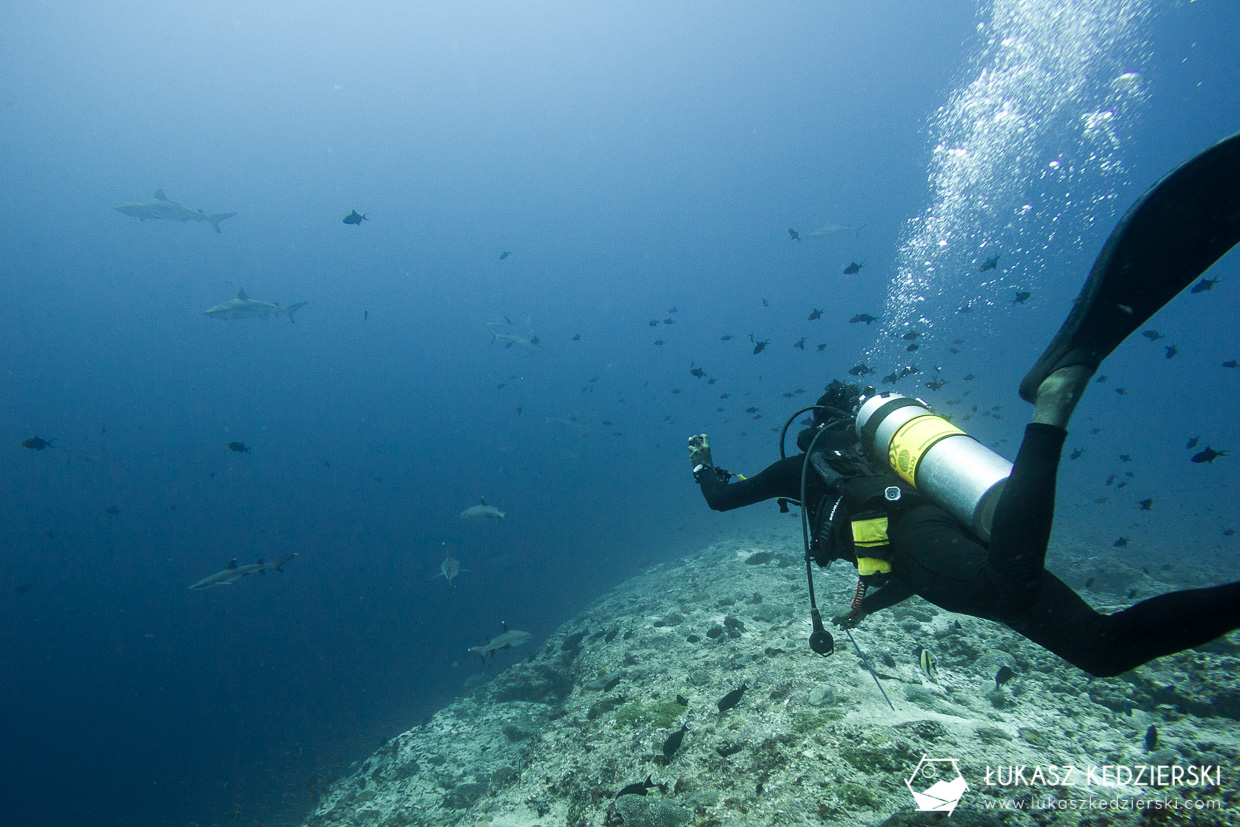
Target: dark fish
{"points": [[935, 384], [821, 348], [1121, 542], [1132, 593], [815, 314], [1146, 504], [698, 372], [891, 377], [800, 343], [1022, 296], [669, 320], [853, 268], [907, 370], [637, 789], [766, 302], [1089, 584], [732, 698], [673, 742], [1004, 675], [576, 337], [238, 447], [1192, 442], [659, 342], [860, 369], [752, 409], [1172, 351], [727, 337], [863, 317], [504, 255], [793, 235], [965, 308], [111, 509], [1151, 734], [1077, 453], [1152, 335], [1232, 363], [1205, 284], [35, 443], [682, 700], [1227, 532], [365, 315], [355, 218], [758, 347], [910, 336], [913, 347], [654, 322], [989, 264], [1208, 455], [1125, 457]]}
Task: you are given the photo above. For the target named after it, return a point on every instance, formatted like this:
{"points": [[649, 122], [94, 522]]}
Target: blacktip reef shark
{"points": [[244, 307], [234, 572], [509, 639], [482, 511], [159, 206], [529, 345]]}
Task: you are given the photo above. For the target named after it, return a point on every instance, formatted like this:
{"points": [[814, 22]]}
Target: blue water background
{"points": [[634, 158]]}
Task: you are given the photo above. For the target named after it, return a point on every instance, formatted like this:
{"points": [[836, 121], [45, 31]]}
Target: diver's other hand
{"points": [[849, 620], [699, 450]]}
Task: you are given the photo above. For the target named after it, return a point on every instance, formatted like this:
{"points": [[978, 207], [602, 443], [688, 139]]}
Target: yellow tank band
{"points": [[913, 440], [870, 533], [872, 565]]}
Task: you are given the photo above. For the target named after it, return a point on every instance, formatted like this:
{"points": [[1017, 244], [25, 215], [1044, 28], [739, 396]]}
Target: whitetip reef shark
{"points": [[234, 572]]}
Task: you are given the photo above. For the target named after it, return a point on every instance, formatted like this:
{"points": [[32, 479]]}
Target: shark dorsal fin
{"points": [[482, 501], [159, 195], [504, 623], [259, 562], [241, 294], [232, 564]]}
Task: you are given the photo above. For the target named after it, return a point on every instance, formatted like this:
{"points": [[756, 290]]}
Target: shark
{"points": [[449, 569], [244, 307], [234, 572], [482, 511], [829, 230], [158, 206], [509, 639], [529, 344]]}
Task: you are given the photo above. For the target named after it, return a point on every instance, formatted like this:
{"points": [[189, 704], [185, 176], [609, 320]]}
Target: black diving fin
{"points": [[1169, 237]]}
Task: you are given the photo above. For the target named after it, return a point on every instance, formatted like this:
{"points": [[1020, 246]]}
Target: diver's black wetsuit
{"points": [[935, 557]]}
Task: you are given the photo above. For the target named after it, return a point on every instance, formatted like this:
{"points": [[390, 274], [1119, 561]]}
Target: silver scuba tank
{"points": [[934, 456]]}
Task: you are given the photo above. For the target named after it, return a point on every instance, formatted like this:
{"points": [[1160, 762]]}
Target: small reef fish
{"points": [[815, 314], [35, 443], [1208, 455], [991, 263], [234, 572], [1205, 284], [504, 255], [638, 788], [1151, 738], [1004, 675], [732, 698], [854, 268], [482, 511], [508, 639], [673, 742], [357, 218], [793, 235], [239, 447], [1022, 296], [926, 661], [863, 317]]}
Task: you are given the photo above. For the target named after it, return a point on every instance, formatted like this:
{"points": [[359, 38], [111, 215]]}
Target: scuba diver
{"points": [[921, 508]]}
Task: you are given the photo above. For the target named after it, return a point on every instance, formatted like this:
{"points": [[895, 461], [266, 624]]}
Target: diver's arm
{"points": [[886, 597], [780, 479]]}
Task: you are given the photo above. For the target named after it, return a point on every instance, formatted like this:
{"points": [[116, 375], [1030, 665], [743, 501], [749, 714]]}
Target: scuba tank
{"points": [[953, 469]]}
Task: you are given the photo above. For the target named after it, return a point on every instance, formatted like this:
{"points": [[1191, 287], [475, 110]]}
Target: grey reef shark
{"points": [[158, 206], [244, 307]]}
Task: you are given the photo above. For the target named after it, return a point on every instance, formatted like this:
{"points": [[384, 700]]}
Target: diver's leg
{"points": [[1025, 512], [1058, 395], [1170, 236], [1106, 645]]}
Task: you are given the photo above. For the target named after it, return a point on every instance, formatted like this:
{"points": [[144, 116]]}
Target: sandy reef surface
{"points": [[553, 739]]}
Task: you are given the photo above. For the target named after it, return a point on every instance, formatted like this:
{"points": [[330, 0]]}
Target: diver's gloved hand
{"points": [[699, 451], [849, 620]]}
